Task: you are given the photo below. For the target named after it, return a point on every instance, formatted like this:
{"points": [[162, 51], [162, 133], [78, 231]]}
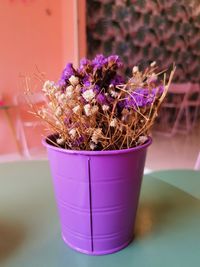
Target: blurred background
{"points": [[41, 36]]}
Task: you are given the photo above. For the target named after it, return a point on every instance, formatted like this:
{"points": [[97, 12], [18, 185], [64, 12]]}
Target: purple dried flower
{"points": [[99, 61], [136, 101], [114, 59], [61, 83], [101, 99], [138, 98], [158, 90], [121, 104], [84, 62], [142, 97], [150, 99], [117, 80], [96, 88], [67, 72], [86, 80], [87, 83], [78, 141]]}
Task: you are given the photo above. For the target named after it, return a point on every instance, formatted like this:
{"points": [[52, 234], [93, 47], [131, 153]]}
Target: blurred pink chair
{"points": [[25, 120], [7, 108], [176, 114], [193, 102], [197, 164]]}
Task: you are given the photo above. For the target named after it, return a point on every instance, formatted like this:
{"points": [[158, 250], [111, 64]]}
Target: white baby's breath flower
{"points": [[94, 109], [74, 80], [142, 139], [70, 88], [48, 85], [96, 135], [153, 64], [58, 112], [135, 69], [57, 95], [72, 132], [88, 95], [113, 123], [90, 110], [61, 97], [50, 104], [69, 91], [76, 109], [60, 141], [69, 94], [58, 123], [87, 109], [92, 145], [114, 94], [105, 107]]}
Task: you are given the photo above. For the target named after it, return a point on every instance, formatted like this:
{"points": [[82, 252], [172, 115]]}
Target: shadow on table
{"points": [[11, 237], [163, 208]]}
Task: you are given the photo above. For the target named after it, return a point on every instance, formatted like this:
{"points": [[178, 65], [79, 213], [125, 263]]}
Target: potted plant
{"points": [[100, 133]]}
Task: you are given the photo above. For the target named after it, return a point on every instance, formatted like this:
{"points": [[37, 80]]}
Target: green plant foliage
{"points": [[176, 55], [121, 48], [146, 51], [156, 52], [107, 9], [102, 26], [177, 26], [175, 8], [121, 13], [108, 46], [134, 15], [197, 46], [146, 18], [140, 35], [141, 3], [134, 49]]}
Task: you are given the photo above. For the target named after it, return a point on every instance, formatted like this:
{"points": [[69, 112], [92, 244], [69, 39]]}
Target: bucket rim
{"points": [[93, 153]]}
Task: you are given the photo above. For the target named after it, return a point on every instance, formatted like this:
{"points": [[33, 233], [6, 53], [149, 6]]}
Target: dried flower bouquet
{"points": [[94, 108]]}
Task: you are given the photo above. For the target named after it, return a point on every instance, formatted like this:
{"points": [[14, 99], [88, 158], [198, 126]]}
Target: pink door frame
{"points": [[74, 28]]}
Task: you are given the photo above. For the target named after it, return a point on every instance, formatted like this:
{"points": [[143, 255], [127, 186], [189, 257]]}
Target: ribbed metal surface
{"points": [[97, 198]]}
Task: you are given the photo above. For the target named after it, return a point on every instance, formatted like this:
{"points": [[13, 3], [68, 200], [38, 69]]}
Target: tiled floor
{"points": [[180, 151]]}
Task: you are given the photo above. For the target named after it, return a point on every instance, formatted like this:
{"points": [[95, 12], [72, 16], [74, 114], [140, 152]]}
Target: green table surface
{"points": [[167, 232]]}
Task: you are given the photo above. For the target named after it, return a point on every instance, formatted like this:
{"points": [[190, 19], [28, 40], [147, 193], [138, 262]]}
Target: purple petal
{"points": [[99, 61], [96, 88], [114, 59], [101, 99], [67, 72]]}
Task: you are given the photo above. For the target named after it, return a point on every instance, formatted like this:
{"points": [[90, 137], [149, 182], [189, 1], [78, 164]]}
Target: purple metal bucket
{"points": [[97, 196]]}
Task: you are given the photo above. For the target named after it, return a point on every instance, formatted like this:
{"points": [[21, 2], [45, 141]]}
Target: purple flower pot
{"points": [[97, 196]]}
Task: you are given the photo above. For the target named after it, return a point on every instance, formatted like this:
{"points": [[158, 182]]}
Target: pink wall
{"points": [[74, 30], [82, 28], [34, 33]]}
